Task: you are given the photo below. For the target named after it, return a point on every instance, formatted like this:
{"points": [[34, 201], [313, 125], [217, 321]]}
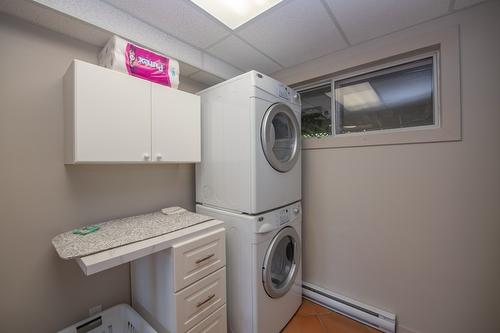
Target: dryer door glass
{"points": [[280, 137], [281, 263]]}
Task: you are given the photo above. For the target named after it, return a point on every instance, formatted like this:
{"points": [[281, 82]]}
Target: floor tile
{"points": [[304, 324], [336, 323], [314, 318], [310, 308]]}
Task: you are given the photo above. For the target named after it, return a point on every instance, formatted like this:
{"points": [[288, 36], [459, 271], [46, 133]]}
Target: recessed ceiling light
{"points": [[234, 13]]}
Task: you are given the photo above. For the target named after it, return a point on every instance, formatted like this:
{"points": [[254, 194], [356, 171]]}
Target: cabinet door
{"points": [[176, 125], [113, 116]]}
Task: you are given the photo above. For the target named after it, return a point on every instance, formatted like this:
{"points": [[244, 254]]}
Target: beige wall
{"points": [[415, 229], [40, 197]]}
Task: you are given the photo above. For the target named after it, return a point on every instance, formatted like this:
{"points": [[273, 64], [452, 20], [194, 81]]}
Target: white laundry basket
{"points": [[118, 319]]}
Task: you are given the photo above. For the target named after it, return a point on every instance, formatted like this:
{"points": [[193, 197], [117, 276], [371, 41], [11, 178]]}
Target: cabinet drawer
{"points": [[215, 323], [199, 300], [198, 257]]}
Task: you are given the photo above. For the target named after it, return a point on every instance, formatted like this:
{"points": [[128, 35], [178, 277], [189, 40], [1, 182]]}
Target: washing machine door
{"points": [[280, 137], [281, 262]]}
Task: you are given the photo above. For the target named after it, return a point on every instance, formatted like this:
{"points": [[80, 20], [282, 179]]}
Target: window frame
{"points": [[386, 136], [318, 84], [446, 39], [436, 105]]}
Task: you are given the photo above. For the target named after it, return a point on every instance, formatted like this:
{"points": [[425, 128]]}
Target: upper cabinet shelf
{"points": [[111, 117]]}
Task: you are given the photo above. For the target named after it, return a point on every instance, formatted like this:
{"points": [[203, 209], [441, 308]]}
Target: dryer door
{"points": [[280, 137], [281, 262]]}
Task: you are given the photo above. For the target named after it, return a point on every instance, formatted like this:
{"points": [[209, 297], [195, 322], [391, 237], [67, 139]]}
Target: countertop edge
{"points": [[104, 260]]}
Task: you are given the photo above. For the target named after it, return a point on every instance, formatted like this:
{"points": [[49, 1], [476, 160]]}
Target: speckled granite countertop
{"points": [[124, 231]]}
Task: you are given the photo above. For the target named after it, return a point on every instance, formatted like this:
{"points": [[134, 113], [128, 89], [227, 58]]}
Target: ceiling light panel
{"points": [[234, 13]]}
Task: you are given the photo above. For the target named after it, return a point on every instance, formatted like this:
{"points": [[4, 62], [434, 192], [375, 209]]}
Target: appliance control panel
{"points": [[284, 216], [287, 93], [273, 220], [283, 92], [275, 87]]}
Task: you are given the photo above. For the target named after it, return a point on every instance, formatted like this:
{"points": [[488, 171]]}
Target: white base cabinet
{"points": [[215, 323], [183, 289], [111, 117]]}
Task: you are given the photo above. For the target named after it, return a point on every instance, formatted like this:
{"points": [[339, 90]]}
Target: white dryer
{"points": [[251, 159], [263, 263]]}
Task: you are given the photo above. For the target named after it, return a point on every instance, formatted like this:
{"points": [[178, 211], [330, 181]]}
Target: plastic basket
{"points": [[118, 319]]}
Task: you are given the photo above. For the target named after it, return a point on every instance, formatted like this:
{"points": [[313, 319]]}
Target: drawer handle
{"points": [[199, 261], [205, 301]]}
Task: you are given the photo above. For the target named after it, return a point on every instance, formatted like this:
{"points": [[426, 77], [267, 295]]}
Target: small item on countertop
{"points": [[173, 210], [123, 56], [86, 230]]}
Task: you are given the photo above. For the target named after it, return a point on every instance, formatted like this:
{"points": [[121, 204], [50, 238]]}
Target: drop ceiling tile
{"points": [[206, 78], [366, 19], [298, 31], [56, 21], [179, 18], [218, 67], [238, 53], [459, 4], [108, 18]]}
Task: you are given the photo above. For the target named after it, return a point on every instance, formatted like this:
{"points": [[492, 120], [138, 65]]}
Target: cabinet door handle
{"points": [[209, 298], [199, 261]]}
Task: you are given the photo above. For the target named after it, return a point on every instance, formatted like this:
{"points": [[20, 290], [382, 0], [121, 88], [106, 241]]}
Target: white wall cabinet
{"points": [[176, 124], [111, 117]]}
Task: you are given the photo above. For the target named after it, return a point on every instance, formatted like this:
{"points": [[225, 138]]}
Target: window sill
{"points": [[387, 137]]}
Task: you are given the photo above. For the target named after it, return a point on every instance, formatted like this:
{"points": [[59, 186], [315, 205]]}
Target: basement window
{"points": [[384, 104], [401, 96], [317, 111]]}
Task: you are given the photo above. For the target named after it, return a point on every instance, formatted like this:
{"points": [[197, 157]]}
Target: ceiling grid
{"points": [[288, 34], [335, 22]]}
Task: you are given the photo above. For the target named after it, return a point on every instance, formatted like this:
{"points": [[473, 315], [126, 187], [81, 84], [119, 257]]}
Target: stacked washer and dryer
{"points": [[250, 178]]}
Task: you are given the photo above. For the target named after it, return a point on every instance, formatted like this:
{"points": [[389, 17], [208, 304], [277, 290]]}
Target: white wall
{"points": [[415, 229], [40, 197]]}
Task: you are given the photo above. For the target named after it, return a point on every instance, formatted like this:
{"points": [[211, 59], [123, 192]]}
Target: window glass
{"points": [[317, 112], [395, 97]]}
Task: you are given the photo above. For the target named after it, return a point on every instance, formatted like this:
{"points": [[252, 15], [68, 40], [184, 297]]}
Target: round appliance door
{"points": [[281, 262], [280, 137]]}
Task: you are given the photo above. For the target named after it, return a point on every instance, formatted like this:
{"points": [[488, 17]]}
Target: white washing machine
{"points": [[264, 272], [251, 159]]}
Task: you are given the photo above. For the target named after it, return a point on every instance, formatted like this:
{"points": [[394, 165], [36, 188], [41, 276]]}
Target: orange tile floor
{"points": [[313, 318]]}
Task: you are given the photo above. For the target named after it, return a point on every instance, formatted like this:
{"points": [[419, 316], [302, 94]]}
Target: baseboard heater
{"points": [[369, 315]]}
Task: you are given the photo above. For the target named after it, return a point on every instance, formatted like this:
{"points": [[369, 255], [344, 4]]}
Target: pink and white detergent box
{"points": [[123, 56]]}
